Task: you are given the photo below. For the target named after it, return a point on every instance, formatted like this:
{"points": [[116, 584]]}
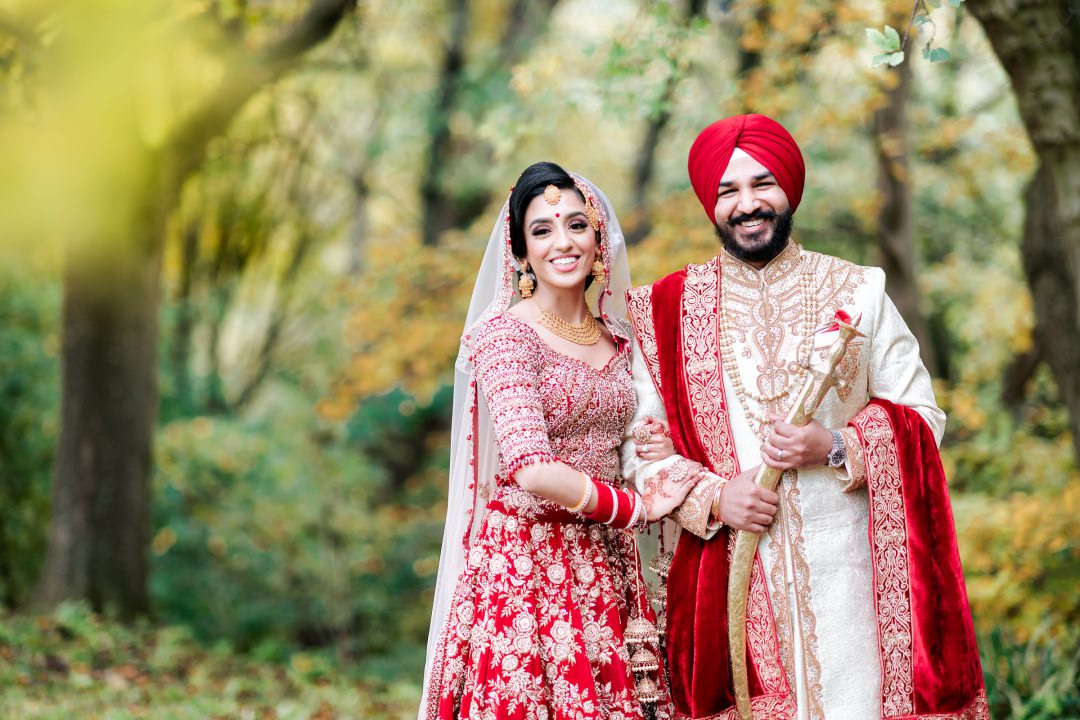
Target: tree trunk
{"points": [[446, 200], [1038, 44], [101, 512], [180, 349], [896, 242], [640, 225], [99, 533], [438, 205]]}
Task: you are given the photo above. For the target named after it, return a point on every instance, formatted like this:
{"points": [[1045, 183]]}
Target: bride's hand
{"points": [[658, 445], [667, 489]]}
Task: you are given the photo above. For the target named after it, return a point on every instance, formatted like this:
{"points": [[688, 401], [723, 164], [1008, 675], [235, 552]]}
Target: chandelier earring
{"points": [[526, 284], [599, 272]]}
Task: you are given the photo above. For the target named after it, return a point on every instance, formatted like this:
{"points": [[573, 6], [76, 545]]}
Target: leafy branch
{"points": [[893, 47]]}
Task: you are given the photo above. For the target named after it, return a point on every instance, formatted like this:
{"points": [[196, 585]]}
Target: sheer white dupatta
{"points": [[474, 453]]}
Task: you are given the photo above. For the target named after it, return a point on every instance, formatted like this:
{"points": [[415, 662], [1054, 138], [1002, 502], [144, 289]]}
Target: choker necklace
{"points": [[587, 332]]}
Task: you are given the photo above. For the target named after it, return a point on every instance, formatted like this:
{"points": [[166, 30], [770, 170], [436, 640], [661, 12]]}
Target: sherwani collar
{"points": [[777, 269]]}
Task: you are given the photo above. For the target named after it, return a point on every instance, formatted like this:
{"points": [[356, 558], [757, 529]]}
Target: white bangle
{"points": [[614, 504], [634, 516]]}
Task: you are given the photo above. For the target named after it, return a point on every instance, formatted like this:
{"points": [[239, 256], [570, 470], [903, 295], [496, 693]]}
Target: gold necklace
{"points": [[727, 350], [586, 332]]}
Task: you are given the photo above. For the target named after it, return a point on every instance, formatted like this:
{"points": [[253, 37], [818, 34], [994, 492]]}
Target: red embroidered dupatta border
{"points": [[678, 322], [929, 662]]}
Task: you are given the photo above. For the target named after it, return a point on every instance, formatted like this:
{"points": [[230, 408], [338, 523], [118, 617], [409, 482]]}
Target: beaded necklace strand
{"points": [[727, 350]]}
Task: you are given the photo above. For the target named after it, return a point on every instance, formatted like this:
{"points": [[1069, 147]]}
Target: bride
{"points": [[540, 610]]}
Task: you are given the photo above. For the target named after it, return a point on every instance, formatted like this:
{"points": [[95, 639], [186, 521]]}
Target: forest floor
{"points": [[74, 665]]}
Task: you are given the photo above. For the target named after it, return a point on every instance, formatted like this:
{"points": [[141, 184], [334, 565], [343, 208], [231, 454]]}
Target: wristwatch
{"points": [[838, 455]]}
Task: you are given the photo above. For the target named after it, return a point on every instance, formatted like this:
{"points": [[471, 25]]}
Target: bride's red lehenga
{"points": [[536, 626]]}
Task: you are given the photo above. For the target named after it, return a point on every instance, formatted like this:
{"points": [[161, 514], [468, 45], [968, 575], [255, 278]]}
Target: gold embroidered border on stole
{"points": [[705, 383], [773, 707], [889, 546], [701, 349], [977, 710]]}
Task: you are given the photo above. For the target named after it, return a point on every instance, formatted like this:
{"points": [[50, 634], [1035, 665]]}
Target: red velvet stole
{"points": [[697, 640], [931, 641]]}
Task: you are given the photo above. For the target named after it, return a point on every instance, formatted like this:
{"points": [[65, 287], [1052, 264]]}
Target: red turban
{"points": [[763, 139]]}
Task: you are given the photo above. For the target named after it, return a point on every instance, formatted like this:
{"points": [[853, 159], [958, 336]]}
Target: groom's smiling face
{"points": [[753, 215]]}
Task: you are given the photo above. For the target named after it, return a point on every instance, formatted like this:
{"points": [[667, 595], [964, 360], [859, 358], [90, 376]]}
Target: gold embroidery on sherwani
{"points": [[778, 581], [856, 463], [694, 513], [700, 346], [807, 620], [766, 312], [889, 546], [789, 524], [762, 635]]}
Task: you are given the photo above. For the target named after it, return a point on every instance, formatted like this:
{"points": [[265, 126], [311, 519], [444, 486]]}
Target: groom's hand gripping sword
{"points": [[806, 402]]}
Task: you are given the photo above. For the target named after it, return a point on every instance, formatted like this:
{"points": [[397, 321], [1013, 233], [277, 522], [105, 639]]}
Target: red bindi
{"points": [[556, 214]]}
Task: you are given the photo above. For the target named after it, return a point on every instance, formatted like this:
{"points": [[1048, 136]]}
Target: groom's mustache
{"points": [[756, 215]]}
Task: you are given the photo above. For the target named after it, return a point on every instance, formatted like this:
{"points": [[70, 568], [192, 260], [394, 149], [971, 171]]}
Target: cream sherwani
{"points": [[816, 555]]}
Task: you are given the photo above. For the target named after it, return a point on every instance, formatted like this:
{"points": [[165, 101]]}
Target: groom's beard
{"points": [[764, 245]]}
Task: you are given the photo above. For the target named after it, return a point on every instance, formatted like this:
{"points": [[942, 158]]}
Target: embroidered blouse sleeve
{"points": [[507, 372]]}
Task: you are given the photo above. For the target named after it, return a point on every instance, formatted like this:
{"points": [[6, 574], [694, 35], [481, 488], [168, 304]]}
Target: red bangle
{"points": [[605, 503], [625, 513]]}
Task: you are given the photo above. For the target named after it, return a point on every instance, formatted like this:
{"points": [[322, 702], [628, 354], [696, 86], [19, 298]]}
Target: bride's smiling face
{"points": [[559, 242]]}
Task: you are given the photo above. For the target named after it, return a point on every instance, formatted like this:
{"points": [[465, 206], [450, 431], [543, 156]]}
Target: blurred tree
{"points": [[100, 527], [637, 226], [895, 236], [450, 195], [1038, 43]]}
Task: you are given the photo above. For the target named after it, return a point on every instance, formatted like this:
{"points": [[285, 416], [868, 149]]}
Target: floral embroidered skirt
{"points": [[535, 630]]}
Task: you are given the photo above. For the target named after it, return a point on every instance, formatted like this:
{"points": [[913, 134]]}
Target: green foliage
{"points": [[73, 664], [29, 405], [1034, 680], [275, 539], [935, 54], [1021, 556], [889, 40]]}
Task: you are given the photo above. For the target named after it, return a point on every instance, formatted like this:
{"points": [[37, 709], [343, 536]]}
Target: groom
{"points": [[857, 607]]}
